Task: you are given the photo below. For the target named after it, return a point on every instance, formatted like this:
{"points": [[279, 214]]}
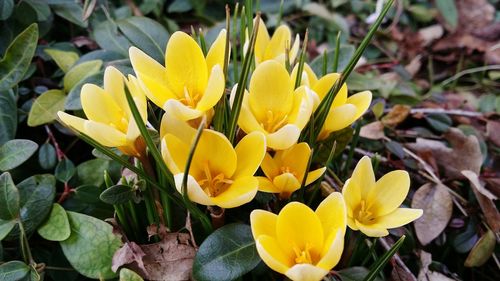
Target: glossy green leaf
{"points": [[128, 275], [15, 152], [147, 35], [356, 273], [6, 8], [88, 194], [56, 227], [107, 37], [226, 254], [47, 157], [71, 11], [180, 6], [18, 57], [117, 194], [91, 246], [482, 251], [64, 59], [439, 121], [9, 198], [13, 270], [92, 172], [80, 72], [41, 8], [448, 10], [45, 107], [5, 228], [8, 116], [65, 170], [33, 275]]}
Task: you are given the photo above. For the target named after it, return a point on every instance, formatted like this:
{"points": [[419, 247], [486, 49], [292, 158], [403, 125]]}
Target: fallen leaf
{"points": [[130, 252], [397, 115], [493, 185], [477, 184], [437, 204], [464, 154], [427, 275], [400, 274], [493, 132], [482, 251], [373, 131], [430, 33], [489, 210]]}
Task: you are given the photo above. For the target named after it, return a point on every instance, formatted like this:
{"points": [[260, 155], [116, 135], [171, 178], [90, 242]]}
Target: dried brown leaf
{"points": [[482, 251], [373, 131], [489, 210], [130, 252], [425, 274], [400, 274], [397, 115], [493, 132], [437, 204], [478, 184], [464, 153]]}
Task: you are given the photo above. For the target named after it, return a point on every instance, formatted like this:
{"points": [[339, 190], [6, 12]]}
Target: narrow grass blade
{"points": [[379, 265], [302, 58], [337, 52]]}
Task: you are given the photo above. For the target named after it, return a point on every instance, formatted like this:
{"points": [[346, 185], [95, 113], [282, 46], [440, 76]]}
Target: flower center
{"points": [[273, 122], [189, 99], [213, 185], [303, 255], [363, 214], [286, 169]]}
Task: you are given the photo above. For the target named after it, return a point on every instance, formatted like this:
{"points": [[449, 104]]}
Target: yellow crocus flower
{"points": [[273, 107], [219, 174], [373, 207], [275, 47], [344, 110], [190, 84], [285, 171], [110, 121], [301, 243]]}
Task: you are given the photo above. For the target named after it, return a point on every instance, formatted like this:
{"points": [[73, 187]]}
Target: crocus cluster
{"points": [[302, 243]]}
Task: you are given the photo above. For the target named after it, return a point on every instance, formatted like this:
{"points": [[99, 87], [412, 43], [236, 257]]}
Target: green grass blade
{"points": [[337, 52], [379, 265], [302, 58]]}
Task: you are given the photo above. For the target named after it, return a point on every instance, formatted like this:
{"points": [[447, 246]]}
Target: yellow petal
{"points": [[250, 151], [312, 79], [99, 106], [175, 153], [352, 223], [363, 176], [74, 122], [284, 138], [195, 193], [399, 217], [314, 175], [272, 255], [296, 158], [185, 64], [241, 191], [372, 230], [216, 150], [153, 75], [216, 53], [325, 83], [113, 85], [270, 166], [260, 42], [104, 134], [306, 272], [214, 89], [340, 117], [181, 111], [334, 246], [132, 131], [181, 129], [298, 226], [265, 185], [281, 39], [270, 91], [389, 192], [352, 196], [302, 107], [263, 223], [295, 48], [361, 101], [286, 183], [332, 213], [137, 90], [247, 121]]}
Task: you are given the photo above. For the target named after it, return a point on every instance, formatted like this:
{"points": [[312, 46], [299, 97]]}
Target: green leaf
{"points": [[5, 228], [13, 270], [64, 59], [8, 116], [226, 254], [15, 152], [107, 37], [91, 246], [345, 54], [80, 72], [32, 276], [381, 262], [356, 273], [56, 227], [117, 194], [128, 275], [47, 157], [180, 6], [92, 172], [482, 251], [448, 10], [88, 194], [65, 170], [45, 107], [6, 8], [41, 8], [439, 121], [70, 10], [147, 35], [17, 57]]}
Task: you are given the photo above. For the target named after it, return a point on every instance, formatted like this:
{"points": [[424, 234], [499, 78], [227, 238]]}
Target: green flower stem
{"points": [[337, 53], [25, 247], [302, 190], [317, 186], [167, 205], [353, 145], [119, 211], [133, 216]]}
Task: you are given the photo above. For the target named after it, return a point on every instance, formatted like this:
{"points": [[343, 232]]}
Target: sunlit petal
{"points": [[265, 185], [195, 193], [113, 84], [260, 42], [399, 217], [314, 175], [389, 192], [286, 183], [332, 213], [340, 117], [270, 166], [334, 246], [250, 151], [302, 107], [284, 138], [372, 230], [363, 176], [325, 83], [306, 272], [215, 150], [240, 192], [74, 122], [216, 53], [280, 41], [100, 106], [104, 134], [214, 89], [181, 111], [175, 153], [271, 253], [181, 129], [362, 101]]}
